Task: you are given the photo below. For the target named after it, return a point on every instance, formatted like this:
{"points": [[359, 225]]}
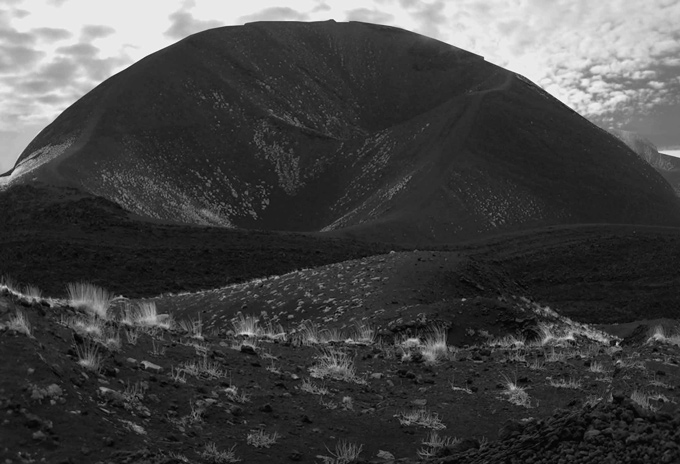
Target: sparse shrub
{"points": [[420, 417], [146, 315], [273, 331], [345, 453], [88, 356], [32, 294], [204, 369], [20, 323], [642, 399], [433, 444], [516, 395], [7, 283], [310, 333], [261, 439], [536, 365], [335, 364], [435, 348], [233, 395], [550, 335], [312, 388], [553, 356], [660, 335], [597, 368], [246, 326], [193, 327], [573, 384], [90, 298], [363, 334], [211, 454]]}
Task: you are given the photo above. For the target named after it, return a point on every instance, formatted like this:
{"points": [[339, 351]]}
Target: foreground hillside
{"points": [[95, 380], [315, 349], [350, 128]]}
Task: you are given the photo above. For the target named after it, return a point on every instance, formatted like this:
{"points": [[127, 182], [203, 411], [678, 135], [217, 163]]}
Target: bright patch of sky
{"points": [[616, 62]]}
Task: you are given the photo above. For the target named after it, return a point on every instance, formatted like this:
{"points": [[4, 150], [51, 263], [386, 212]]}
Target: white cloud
{"points": [[275, 13]]}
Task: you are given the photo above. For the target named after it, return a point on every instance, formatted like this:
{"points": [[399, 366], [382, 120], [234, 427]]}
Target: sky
{"points": [[617, 62]]}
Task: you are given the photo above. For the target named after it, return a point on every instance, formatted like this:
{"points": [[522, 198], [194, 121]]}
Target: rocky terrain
{"points": [[480, 376], [538, 346]]}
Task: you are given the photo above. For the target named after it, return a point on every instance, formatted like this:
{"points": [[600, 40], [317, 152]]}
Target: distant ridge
{"points": [[666, 165], [347, 128]]}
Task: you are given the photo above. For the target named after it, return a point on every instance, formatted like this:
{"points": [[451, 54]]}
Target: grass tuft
{"points": [[90, 298], [20, 323], [335, 364]]}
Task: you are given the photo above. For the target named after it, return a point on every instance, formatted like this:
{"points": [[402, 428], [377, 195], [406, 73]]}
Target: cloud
{"points": [[81, 50], [184, 24], [370, 16], [276, 13], [93, 32], [321, 7], [16, 58], [51, 34]]}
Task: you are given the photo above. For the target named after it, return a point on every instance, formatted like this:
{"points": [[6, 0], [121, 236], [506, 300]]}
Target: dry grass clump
{"points": [[89, 357], [644, 399], [435, 348], [431, 349], [345, 453], [249, 326], [32, 294], [312, 388], [193, 328], [573, 384], [20, 323], [211, 454], [433, 443], [660, 335], [335, 364], [90, 298], [516, 395], [262, 439], [202, 368], [146, 315], [422, 418]]}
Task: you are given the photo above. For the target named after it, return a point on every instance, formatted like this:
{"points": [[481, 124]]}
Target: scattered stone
{"points": [[151, 366], [386, 455], [591, 435], [247, 349]]}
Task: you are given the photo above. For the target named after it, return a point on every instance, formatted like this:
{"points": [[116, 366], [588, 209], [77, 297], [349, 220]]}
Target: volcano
{"points": [[350, 128]]}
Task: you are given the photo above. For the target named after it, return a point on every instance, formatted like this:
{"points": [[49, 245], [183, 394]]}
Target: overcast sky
{"points": [[616, 62]]}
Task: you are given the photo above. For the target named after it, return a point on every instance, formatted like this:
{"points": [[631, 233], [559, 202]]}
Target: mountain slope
{"points": [[667, 166], [349, 127]]}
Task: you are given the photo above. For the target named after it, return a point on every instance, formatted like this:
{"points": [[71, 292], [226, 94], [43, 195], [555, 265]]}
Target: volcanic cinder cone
{"points": [[349, 127]]}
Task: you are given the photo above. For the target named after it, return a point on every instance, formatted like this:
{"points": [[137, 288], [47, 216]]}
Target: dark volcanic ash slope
{"points": [[341, 126]]}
